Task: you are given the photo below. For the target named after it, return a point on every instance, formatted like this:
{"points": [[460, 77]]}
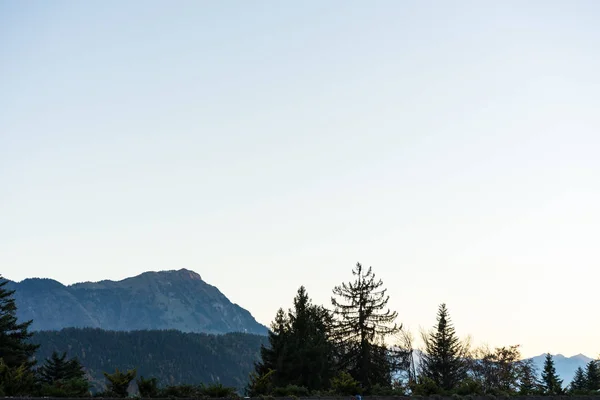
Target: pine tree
{"points": [[63, 378], [360, 324], [58, 368], [15, 349], [550, 380], [592, 375], [579, 383], [274, 356], [300, 350], [442, 361], [311, 348]]}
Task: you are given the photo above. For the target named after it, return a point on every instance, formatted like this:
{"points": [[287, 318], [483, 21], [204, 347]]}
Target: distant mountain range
{"points": [[178, 300], [565, 366]]}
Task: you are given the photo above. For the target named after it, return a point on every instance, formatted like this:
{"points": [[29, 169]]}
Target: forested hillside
{"points": [[171, 356], [153, 300]]}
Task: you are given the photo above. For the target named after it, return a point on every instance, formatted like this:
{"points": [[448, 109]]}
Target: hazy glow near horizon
{"points": [[453, 146]]}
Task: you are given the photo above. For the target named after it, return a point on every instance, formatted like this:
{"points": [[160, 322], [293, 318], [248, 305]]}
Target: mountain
{"points": [[172, 357], [178, 300], [565, 366]]}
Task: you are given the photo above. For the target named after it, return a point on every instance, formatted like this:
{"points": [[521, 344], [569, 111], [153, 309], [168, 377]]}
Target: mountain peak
{"points": [[187, 274], [173, 299]]}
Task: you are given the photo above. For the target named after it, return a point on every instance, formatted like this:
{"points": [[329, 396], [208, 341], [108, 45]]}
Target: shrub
{"points": [[291, 391], [217, 390], [426, 387], [147, 387], [344, 384]]}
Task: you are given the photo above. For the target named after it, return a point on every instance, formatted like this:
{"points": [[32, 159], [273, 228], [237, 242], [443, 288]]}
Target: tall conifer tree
{"points": [[273, 357], [442, 361], [300, 350], [550, 380], [312, 352], [15, 349], [362, 322], [579, 382], [592, 375]]}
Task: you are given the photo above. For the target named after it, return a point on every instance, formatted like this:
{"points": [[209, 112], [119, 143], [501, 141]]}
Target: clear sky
{"points": [[452, 145]]}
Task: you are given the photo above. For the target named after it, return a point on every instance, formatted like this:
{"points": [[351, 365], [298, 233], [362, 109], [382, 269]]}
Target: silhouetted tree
{"points": [[301, 352], [442, 360], [579, 383], [16, 351], [311, 354], [551, 382], [360, 324], [592, 375], [15, 348], [274, 357]]}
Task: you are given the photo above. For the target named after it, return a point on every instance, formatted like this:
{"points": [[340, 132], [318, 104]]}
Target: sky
{"points": [[451, 145]]}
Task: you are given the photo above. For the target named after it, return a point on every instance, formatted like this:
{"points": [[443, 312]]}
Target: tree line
{"points": [[172, 357], [356, 347], [59, 376]]}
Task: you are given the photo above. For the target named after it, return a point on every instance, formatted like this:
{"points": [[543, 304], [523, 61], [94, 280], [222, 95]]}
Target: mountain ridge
{"points": [[565, 366], [170, 299]]}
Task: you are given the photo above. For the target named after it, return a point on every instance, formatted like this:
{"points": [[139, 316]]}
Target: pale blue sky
{"points": [[452, 145]]}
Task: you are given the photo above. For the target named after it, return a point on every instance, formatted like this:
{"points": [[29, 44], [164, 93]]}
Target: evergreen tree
{"points": [[63, 378], [579, 383], [442, 361], [360, 323], [551, 382], [311, 349], [592, 375], [58, 368], [528, 379], [118, 382], [274, 356], [300, 352], [15, 349]]}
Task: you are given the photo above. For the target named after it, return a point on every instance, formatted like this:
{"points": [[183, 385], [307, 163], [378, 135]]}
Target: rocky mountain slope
{"points": [[178, 300]]}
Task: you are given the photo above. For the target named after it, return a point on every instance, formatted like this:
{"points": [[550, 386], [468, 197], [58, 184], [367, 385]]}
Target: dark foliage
{"points": [[147, 387], [592, 375], [579, 384], [60, 377], [118, 382], [361, 324], [443, 361], [551, 382], [300, 351], [173, 357], [15, 348]]}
